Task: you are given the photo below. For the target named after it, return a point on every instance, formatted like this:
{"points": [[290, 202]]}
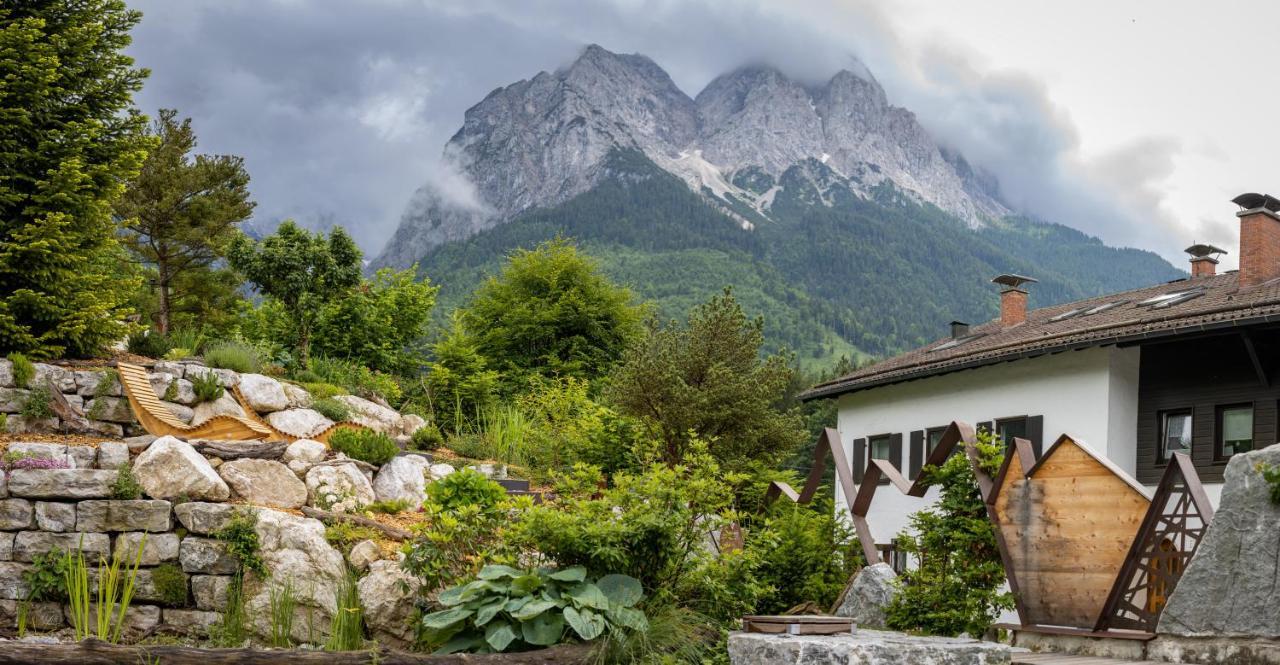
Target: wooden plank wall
{"points": [[1068, 528]]}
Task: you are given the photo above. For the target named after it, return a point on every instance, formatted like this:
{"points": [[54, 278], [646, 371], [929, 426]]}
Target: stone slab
{"points": [[1214, 650], [124, 515], [864, 647], [61, 483], [28, 544], [56, 516]]}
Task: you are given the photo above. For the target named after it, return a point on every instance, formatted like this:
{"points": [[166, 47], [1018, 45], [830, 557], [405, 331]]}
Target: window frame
{"points": [[1219, 431], [928, 434], [1161, 435], [887, 437], [995, 427]]}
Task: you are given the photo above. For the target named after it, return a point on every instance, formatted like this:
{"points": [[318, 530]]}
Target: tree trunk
{"points": [[162, 311], [304, 346]]}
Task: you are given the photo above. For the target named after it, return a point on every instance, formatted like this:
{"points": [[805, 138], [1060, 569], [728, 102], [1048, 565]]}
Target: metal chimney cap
{"points": [[1013, 281], [1201, 250], [1252, 200]]}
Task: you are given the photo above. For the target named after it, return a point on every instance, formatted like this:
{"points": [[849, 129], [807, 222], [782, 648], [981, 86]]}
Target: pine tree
{"points": [[68, 142], [180, 214]]}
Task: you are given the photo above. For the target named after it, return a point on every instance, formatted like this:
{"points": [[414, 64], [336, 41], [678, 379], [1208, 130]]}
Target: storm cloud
{"points": [[341, 109]]}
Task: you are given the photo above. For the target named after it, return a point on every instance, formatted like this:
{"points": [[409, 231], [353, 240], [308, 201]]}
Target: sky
{"points": [[1133, 121]]}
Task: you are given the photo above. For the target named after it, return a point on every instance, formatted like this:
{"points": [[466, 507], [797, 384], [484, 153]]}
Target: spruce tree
{"points": [[68, 142]]}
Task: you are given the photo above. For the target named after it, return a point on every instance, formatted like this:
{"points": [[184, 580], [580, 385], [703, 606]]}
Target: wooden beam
{"points": [[1257, 362]]}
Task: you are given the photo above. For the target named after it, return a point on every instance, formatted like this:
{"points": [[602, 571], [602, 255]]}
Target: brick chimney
{"points": [[1204, 260], [1259, 238], [1013, 299]]}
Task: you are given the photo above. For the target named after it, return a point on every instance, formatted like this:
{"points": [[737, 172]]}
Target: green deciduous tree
{"points": [[304, 271], [68, 143], [551, 312], [180, 214], [707, 377], [378, 323]]}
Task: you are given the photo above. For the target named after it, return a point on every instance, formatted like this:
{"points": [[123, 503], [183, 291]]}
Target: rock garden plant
{"points": [[365, 445]]}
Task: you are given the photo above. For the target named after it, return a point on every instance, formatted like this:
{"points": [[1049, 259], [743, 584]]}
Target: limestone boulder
{"points": [[263, 393], [189, 622], [157, 548], [303, 454], [184, 413], [210, 591], [371, 414], [16, 514], [223, 406], [868, 595], [299, 398], [61, 483], [28, 544], [6, 373], [110, 409], [16, 424], [363, 553], [55, 516], [172, 388], [13, 399], [173, 368], [339, 487], [112, 454], [387, 595], [403, 478], [410, 423], [299, 422], [439, 471], [61, 378], [264, 483], [88, 382], [171, 468], [294, 549], [865, 647], [124, 515], [206, 556], [203, 518]]}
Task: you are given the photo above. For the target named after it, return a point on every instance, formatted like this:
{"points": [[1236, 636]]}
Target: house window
{"points": [[1175, 433], [1010, 428], [1235, 430], [879, 447], [932, 437]]}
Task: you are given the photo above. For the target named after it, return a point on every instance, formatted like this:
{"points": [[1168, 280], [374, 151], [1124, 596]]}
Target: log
{"points": [[229, 450], [98, 652], [326, 516]]}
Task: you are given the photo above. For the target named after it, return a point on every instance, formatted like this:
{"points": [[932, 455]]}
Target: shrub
{"points": [[509, 609], [365, 445], [23, 370], [206, 386], [126, 486], [233, 355], [343, 534], [148, 343], [389, 506], [466, 487], [321, 390], [471, 446], [45, 578], [451, 543], [332, 409], [171, 584], [427, 437], [803, 554], [177, 353], [38, 404], [357, 378], [242, 541]]}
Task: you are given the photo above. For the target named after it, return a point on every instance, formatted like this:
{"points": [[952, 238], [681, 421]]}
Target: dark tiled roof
{"points": [[1222, 303]]}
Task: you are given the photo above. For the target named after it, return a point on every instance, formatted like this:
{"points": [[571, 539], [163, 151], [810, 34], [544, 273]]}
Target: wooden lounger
{"points": [[157, 419], [322, 436]]}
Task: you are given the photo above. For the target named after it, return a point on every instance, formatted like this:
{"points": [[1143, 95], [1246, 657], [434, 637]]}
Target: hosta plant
{"points": [[509, 609]]}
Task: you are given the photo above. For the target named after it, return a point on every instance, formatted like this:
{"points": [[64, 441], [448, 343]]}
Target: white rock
{"points": [[410, 423], [264, 482], [168, 386], [184, 413], [62, 378], [387, 595], [55, 516], [175, 369], [371, 415], [170, 468], [305, 450], [294, 550], [263, 393], [339, 487], [439, 471], [223, 406], [364, 553], [112, 454], [404, 477], [110, 409], [158, 548], [299, 422], [298, 397], [6, 373], [87, 383]]}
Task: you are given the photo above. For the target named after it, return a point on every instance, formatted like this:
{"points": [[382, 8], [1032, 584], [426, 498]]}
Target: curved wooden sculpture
{"points": [[157, 419], [322, 436]]}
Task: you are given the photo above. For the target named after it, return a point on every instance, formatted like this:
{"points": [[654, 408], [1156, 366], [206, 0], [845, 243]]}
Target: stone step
{"points": [[513, 485]]}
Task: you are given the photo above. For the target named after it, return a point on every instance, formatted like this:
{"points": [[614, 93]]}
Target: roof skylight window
{"points": [[953, 343], [1170, 299], [1067, 314], [1105, 306]]}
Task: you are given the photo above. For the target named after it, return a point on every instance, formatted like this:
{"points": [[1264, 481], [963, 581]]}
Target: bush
{"points": [[466, 487], [321, 390], [171, 584], [233, 355], [803, 554], [242, 541], [427, 437], [148, 343], [23, 370], [378, 323], [45, 579], [38, 405], [332, 409], [126, 486], [365, 445], [177, 353], [343, 534], [207, 387], [509, 609], [389, 506], [357, 378], [471, 446]]}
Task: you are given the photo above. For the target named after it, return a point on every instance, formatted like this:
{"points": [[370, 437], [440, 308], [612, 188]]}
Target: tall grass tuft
{"points": [[346, 633], [105, 618], [233, 355], [187, 339], [230, 631], [283, 600], [508, 432]]}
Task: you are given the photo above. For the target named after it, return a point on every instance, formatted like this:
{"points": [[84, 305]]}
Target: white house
{"points": [[1192, 365]]}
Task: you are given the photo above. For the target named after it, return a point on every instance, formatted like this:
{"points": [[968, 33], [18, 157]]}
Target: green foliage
{"points": [[343, 534], [282, 601], [465, 487], [365, 445], [45, 579], [100, 612], [332, 409], [378, 323], [550, 312], [471, 446], [569, 426], [356, 378], [389, 506], [956, 587], [427, 437], [23, 370], [70, 141], [38, 404], [303, 271], [170, 584], [177, 353], [707, 378], [510, 609], [234, 355], [805, 554], [346, 631], [241, 537], [206, 386], [179, 215], [460, 382], [230, 631], [320, 390], [148, 343], [1271, 474], [126, 485]]}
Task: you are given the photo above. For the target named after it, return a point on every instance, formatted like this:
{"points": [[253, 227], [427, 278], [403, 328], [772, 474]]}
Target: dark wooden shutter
{"points": [[1035, 433], [917, 454], [895, 451], [859, 460]]}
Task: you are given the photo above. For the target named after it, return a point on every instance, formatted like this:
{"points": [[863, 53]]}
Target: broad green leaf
{"points": [[499, 635], [451, 596], [445, 618], [498, 571], [532, 609], [574, 574], [586, 594], [489, 610], [629, 617], [587, 624], [461, 643], [622, 590], [516, 603], [544, 629], [526, 584]]}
